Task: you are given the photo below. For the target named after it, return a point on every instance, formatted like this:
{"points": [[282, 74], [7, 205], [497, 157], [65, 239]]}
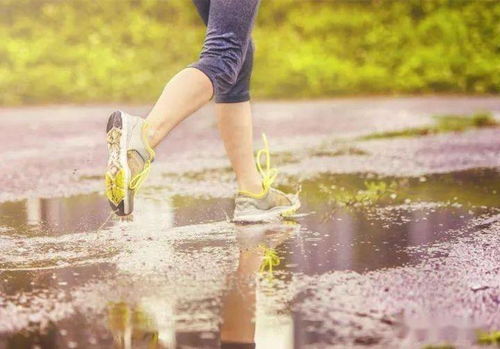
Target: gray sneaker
{"points": [[129, 160], [270, 207]]}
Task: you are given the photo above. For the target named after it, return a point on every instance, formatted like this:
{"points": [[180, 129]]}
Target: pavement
{"points": [[415, 267], [47, 151]]}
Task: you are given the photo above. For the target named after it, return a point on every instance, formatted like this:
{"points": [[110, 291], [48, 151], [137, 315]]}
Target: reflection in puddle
{"points": [[179, 275], [36, 217]]}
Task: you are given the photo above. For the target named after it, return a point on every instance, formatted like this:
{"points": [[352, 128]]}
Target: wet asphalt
{"points": [[396, 245]]}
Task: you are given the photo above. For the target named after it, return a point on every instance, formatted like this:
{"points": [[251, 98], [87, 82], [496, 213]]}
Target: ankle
{"points": [[254, 187], [152, 136]]}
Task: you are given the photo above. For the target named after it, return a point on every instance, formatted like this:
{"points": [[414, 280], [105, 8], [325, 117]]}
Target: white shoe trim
{"points": [[270, 215], [123, 159]]}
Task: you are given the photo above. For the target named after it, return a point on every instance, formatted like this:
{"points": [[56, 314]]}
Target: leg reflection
{"points": [[257, 245]]}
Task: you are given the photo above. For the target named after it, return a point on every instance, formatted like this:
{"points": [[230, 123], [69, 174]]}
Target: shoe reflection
{"points": [[131, 327], [135, 325], [258, 258]]}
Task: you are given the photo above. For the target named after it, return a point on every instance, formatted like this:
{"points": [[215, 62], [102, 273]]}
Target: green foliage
{"points": [[453, 123], [468, 189], [444, 123], [326, 150], [489, 338], [125, 50], [373, 193], [409, 132]]}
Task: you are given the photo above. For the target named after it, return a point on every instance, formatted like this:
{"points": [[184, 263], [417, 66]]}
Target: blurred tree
{"points": [[125, 50]]}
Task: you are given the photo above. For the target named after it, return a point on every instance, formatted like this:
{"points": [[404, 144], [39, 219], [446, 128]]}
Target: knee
{"points": [[230, 67], [222, 57]]}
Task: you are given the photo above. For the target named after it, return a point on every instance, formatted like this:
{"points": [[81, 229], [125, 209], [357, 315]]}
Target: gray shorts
{"points": [[227, 55]]}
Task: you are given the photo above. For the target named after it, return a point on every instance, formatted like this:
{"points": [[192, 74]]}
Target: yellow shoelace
{"points": [[269, 260], [139, 178], [115, 186], [267, 172]]}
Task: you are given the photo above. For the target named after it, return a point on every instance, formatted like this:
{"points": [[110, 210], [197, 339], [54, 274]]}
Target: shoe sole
{"points": [[269, 215], [118, 173]]}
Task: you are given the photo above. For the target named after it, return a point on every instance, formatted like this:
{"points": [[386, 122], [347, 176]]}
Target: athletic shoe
{"points": [[129, 160], [268, 205]]}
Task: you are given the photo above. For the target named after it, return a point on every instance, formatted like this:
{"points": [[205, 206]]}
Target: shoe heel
{"points": [[114, 121]]}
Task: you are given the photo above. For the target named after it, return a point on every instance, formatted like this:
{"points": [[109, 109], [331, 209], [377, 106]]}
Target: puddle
{"points": [[49, 217], [177, 268]]}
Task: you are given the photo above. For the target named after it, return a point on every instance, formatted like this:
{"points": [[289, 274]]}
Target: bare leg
{"points": [[235, 125], [239, 303], [184, 94]]}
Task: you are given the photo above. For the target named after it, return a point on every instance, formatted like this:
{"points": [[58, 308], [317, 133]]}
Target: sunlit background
{"points": [[396, 242], [125, 50]]}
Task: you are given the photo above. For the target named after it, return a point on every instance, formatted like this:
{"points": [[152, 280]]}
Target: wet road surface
{"points": [[396, 245]]}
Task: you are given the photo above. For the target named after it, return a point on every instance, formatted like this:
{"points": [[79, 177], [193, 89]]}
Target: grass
{"points": [[374, 192], [469, 188], [489, 338], [483, 338], [326, 149], [442, 124], [340, 151]]}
